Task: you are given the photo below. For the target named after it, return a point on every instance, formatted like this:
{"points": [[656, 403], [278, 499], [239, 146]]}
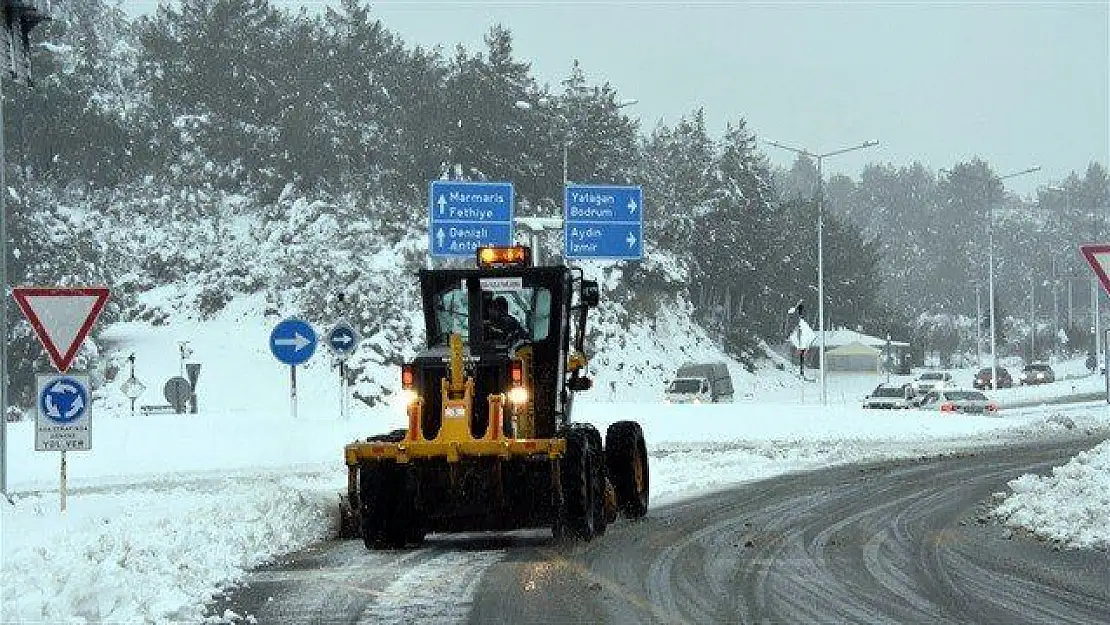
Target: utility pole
{"points": [[1071, 305], [1032, 318], [1055, 308], [1094, 316], [978, 329]]}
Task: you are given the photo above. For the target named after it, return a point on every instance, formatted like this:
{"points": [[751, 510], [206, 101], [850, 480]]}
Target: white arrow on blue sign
{"points": [[64, 400], [603, 221], [342, 338], [466, 215], [293, 341]]}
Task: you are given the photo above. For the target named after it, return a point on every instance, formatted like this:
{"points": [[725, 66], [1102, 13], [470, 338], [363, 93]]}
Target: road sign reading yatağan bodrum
{"points": [[61, 317]]}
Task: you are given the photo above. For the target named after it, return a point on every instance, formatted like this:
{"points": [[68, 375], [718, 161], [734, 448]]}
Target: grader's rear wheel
{"points": [[627, 463]]}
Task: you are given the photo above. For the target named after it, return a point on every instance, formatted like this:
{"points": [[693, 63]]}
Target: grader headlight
{"points": [[408, 391], [518, 392], [518, 395], [408, 397]]}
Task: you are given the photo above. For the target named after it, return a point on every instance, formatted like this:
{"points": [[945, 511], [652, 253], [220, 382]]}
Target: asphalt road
{"points": [[896, 542], [900, 542]]}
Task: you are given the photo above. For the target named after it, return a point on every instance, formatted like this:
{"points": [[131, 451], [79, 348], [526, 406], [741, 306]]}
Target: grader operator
{"points": [[490, 443]]}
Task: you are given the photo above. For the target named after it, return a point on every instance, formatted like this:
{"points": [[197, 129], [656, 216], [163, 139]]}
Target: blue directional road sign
{"points": [[603, 222], [293, 341], [466, 215], [342, 338]]}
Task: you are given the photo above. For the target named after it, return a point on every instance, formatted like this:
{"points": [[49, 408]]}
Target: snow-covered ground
{"points": [[167, 510]]}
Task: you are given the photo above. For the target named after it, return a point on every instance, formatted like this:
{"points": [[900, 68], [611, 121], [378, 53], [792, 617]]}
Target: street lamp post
{"points": [[525, 105], [990, 251], [821, 243], [535, 225]]}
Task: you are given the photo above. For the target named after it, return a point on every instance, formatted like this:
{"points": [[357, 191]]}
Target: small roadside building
{"points": [[851, 351], [855, 357]]}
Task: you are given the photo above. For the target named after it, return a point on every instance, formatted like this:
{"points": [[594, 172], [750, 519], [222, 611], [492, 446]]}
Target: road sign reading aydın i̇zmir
{"points": [[602, 221], [466, 215]]}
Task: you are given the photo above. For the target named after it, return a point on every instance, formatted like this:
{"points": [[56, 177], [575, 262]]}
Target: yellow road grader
{"points": [[490, 443]]}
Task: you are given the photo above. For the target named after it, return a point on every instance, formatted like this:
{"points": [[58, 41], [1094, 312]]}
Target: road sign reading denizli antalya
{"points": [[603, 221], [466, 215]]}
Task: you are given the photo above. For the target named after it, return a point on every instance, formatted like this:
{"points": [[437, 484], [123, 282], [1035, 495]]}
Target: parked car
{"points": [[957, 400], [931, 380], [982, 379], [890, 396], [1037, 373]]}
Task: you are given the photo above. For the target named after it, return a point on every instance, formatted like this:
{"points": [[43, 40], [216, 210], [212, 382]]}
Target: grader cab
{"points": [[490, 443]]}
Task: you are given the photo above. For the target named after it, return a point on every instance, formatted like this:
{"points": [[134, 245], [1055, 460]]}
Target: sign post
{"points": [[176, 391], [61, 318], [133, 387], [293, 342], [466, 215], [342, 339], [1106, 365], [603, 222], [802, 337], [192, 369], [64, 420], [1098, 257]]}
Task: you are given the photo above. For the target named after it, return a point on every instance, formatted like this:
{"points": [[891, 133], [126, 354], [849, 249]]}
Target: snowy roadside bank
{"points": [[1070, 506]]}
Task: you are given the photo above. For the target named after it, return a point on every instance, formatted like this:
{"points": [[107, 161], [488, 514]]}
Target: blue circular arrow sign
{"points": [[293, 341], [342, 338], [64, 400]]}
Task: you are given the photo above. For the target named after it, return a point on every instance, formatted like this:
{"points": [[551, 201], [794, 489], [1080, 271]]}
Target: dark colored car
{"points": [[983, 379], [1037, 373]]}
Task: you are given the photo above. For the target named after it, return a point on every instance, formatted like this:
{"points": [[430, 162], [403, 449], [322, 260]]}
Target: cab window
{"points": [[531, 307], [452, 314]]}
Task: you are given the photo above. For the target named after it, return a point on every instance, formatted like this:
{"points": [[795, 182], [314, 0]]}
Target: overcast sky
{"points": [[1018, 83]]}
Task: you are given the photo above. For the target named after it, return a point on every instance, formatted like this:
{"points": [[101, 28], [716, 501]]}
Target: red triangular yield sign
{"points": [[1098, 257], [61, 317]]}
